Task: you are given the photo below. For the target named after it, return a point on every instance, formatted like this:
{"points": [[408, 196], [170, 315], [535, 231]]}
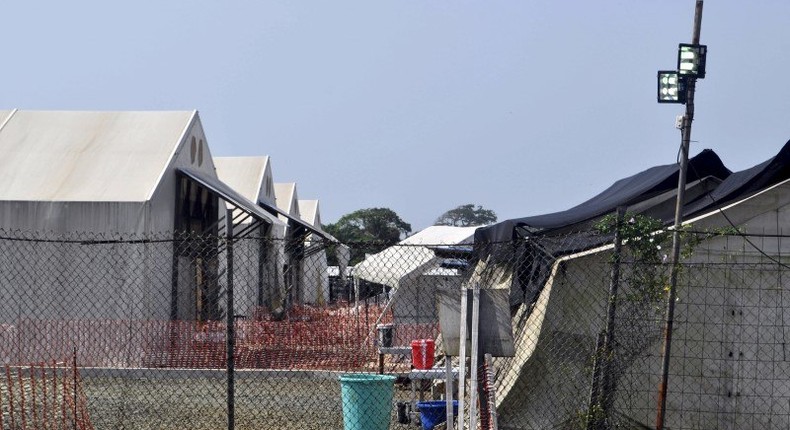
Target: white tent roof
{"points": [[308, 209], [311, 214], [87, 156], [4, 116], [244, 174], [285, 198], [442, 235], [407, 258]]}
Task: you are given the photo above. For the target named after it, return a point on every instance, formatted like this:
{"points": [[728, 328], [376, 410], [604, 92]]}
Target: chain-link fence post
{"points": [[607, 377], [230, 334]]}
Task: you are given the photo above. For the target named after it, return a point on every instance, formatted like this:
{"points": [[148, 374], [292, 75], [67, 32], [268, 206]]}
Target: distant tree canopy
{"points": [[466, 216], [368, 231]]}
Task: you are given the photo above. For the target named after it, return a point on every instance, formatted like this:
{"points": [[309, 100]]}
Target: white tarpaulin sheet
{"points": [[391, 265]]}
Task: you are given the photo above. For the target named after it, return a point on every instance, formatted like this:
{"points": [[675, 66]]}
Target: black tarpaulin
{"points": [[538, 255], [627, 191], [744, 183], [535, 257]]}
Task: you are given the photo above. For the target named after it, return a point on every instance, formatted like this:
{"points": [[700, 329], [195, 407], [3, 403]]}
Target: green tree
{"points": [[368, 231], [466, 216]]}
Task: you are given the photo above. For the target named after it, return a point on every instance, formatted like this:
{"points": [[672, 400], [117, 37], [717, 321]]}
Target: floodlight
{"points": [[691, 60], [671, 87]]}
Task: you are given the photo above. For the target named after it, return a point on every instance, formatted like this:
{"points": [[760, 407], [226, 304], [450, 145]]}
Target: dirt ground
{"points": [[199, 403]]}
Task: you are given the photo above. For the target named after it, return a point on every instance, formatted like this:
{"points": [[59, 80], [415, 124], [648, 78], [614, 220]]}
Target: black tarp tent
{"points": [[570, 231], [627, 191], [744, 183]]}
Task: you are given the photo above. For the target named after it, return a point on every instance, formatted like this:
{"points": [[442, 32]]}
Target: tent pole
{"points": [[381, 315], [356, 303]]}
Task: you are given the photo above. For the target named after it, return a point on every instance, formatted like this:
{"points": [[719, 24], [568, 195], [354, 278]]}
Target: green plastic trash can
{"points": [[367, 401]]}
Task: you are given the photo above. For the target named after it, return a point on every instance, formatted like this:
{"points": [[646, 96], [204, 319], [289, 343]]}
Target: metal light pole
{"points": [[673, 277]]}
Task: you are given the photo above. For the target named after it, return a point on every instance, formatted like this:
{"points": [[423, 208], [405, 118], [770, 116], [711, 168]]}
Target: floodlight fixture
{"points": [[671, 87], [691, 60]]}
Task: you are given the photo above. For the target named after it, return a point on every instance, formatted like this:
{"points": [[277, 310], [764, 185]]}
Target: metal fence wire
{"points": [[112, 331]]}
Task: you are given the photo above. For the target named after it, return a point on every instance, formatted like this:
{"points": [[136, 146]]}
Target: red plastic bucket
{"points": [[422, 353]]}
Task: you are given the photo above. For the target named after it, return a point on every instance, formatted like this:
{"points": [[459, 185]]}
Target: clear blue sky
{"points": [[525, 107]]}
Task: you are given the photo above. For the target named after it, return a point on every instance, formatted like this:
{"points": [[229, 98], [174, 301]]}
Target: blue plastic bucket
{"points": [[367, 401], [434, 412]]}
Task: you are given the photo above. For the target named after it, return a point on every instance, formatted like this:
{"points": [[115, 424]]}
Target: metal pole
{"points": [[595, 384], [356, 305], [607, 380], [673, 276], [74, 372], [448, 390], [230, 335], [462, 359], [475, 357]]}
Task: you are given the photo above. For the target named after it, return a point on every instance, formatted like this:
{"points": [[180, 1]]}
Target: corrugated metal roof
{"points": [[86, 156]]}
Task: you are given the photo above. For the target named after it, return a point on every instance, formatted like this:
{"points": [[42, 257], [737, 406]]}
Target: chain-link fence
{"points": [[132, 332]]}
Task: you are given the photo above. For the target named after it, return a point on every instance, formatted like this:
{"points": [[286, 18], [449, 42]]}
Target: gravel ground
{"points": [[198, 402]]}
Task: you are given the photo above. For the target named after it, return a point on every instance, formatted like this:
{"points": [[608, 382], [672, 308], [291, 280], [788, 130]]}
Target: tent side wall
{"points": [[416, 296], [315, 278], [79, 277], [728, 366], [256, 272], [556, 346], [88, 218]]}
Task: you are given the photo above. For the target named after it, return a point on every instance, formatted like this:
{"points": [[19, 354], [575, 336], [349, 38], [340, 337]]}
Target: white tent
{"points": [[252, 177], [111, 175], [259, 284], [315, 275], [413, 271], [95, 172]]}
